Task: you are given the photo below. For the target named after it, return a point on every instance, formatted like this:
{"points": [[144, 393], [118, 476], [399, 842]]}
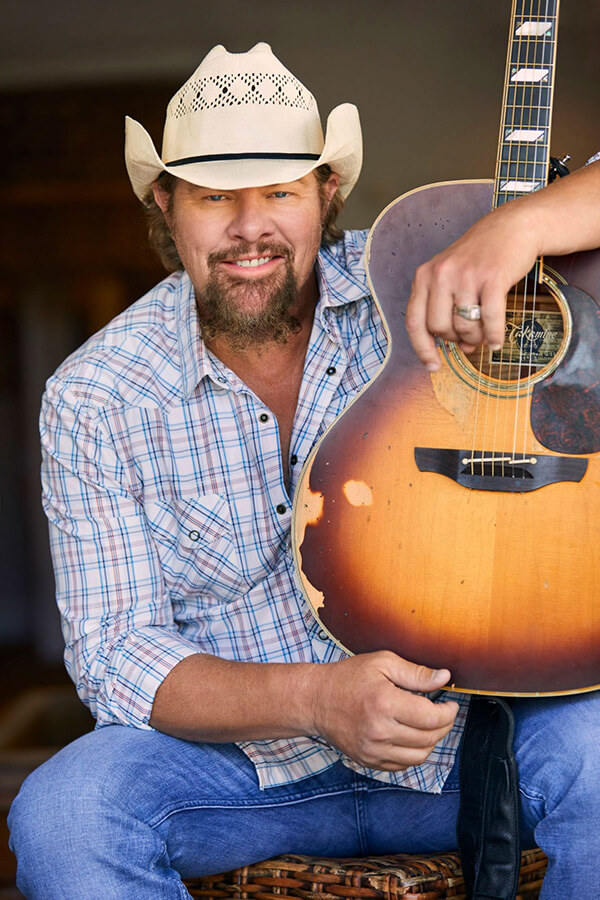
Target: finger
{"points": [[422, 340], [401, 756], [493, 315], [413, 677], [467, 330], [403, 735], [422, 715], [403, 759]]}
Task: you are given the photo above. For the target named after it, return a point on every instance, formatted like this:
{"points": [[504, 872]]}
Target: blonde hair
{"points": [[163, 245]]}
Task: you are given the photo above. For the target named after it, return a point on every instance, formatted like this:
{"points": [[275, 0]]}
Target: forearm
{"points": [[205, 698], [562, 218], [364, 706]]}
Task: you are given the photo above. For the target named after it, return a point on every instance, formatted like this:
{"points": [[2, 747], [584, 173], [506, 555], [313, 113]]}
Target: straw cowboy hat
{"points": [[244, 120]]}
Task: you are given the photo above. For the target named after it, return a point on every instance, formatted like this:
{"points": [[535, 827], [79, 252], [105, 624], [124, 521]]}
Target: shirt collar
{"points": [[337, 287]]}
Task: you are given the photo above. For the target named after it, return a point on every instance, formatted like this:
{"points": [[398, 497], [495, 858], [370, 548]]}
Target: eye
{"points": [[215, 198], [280, 195]]}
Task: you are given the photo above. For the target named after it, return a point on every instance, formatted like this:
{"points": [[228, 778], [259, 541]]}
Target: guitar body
{"points": [[405, 542]]}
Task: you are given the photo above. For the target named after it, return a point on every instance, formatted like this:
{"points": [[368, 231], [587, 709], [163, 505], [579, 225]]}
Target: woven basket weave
{"points": [[428, 877]]}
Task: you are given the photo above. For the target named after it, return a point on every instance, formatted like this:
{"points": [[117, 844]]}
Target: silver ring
{"points": [[472, 313]]}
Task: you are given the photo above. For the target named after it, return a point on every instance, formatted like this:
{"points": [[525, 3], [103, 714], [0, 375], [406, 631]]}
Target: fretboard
{"points": [[524, 145]]}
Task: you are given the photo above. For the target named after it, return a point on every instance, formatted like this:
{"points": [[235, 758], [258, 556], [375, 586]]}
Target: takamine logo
{"points": [[528, 335]]}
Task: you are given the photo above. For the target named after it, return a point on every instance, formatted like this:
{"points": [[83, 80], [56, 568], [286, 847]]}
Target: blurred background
{"points": [[427, 78]]}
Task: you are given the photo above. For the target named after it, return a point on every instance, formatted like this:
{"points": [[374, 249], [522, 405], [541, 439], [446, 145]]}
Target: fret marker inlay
{"points": [[534, 28], [530, 75], [525, 135], [519, 186]]}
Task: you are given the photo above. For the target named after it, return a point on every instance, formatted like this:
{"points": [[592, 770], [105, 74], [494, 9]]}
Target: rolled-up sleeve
{"points": [[120, 636]]}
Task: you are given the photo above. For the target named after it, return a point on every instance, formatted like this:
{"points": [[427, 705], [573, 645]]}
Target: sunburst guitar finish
{"points": [[454, 517]]}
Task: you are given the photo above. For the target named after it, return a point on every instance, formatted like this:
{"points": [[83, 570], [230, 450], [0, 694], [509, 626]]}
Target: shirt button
{"points": [[222, 379], [331, 370], [194, 535], [281, 508], [263, 417], [323, 636], [293, 459]]}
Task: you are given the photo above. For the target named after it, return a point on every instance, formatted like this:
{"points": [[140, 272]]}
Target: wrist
{"points": [[302, 693]]}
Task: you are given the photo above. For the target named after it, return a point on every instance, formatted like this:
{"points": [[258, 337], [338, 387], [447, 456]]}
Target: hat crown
{"points": [[225, 80]]}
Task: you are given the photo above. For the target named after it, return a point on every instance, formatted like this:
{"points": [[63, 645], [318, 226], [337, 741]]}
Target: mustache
{"points": [[243, 249]]}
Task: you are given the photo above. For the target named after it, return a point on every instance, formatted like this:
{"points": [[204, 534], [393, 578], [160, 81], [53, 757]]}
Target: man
{"points": [[233, 729]]}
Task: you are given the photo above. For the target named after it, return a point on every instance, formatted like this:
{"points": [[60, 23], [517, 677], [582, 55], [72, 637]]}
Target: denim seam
{"points": [[359, 792], [530, 793], [183, 892], [228, 804]]}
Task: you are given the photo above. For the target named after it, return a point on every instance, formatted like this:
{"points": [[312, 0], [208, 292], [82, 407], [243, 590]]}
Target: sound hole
{"points": [[534, 336]]}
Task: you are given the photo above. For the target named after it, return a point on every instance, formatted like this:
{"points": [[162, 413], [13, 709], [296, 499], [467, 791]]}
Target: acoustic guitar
{"points": [[454, 517]]}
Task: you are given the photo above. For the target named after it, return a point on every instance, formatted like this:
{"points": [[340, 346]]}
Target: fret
{"points": [[521, 93], [523, 117], [523, 150], [521, 168], [525, 113], [528, 153], [516, 172], [533, 54]]}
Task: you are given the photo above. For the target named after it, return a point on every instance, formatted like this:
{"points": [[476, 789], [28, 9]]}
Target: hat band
{"points": [[219, 157]]}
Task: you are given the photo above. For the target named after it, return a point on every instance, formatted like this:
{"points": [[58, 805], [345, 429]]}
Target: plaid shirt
{"points": [[169, 515]]}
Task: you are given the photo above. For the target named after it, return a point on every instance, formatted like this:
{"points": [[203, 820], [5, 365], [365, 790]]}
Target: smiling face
{"points": [[250, 254]]}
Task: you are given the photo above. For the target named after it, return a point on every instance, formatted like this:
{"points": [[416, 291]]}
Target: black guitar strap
{"points": [[488, 819]]}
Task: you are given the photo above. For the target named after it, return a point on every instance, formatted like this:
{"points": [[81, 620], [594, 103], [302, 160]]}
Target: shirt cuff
{"points": [[136, 668]]}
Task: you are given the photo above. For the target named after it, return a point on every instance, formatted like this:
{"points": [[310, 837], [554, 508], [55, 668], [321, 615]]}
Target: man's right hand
{"points": [[365, 708]]}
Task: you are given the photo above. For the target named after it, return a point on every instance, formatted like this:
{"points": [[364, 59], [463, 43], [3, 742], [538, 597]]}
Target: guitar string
{"points": [[527, 346], [495, 198], [520, 173], [509, 95], [548, 46], [525, 352], [526, 111], [501, 366], [528, 58]]}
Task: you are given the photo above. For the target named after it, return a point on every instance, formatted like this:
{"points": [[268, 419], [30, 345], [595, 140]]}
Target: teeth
{"points": [[252, 263]]}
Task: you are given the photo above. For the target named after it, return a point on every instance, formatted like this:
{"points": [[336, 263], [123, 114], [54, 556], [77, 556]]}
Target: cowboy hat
{"points": [[243, 120]]}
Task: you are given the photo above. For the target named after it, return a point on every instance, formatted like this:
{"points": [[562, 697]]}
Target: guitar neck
{"points": [[524, 144]]}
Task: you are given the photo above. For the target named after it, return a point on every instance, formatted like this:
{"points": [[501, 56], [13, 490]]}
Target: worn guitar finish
{"points": [[454, 517]]}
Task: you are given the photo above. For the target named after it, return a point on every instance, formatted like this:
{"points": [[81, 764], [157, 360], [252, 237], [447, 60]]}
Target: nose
{"points": [[251, 220]]}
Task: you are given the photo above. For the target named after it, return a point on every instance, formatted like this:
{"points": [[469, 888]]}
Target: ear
{"points": [[161, 196], [331, 186]]}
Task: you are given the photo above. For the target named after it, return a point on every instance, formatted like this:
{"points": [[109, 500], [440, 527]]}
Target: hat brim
{"points": [[342, 150]]}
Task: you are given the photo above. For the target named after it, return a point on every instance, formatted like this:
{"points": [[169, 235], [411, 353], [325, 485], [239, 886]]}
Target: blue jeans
{"points": [[123, 814]]}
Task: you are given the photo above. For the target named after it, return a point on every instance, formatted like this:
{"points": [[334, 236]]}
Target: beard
{"points": [[249, 313]]}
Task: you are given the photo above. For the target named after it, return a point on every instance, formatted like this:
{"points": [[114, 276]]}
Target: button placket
{"points": [[281, 508]]}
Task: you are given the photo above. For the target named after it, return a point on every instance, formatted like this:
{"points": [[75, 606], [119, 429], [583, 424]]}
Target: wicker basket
{"points": [[428, 877]]}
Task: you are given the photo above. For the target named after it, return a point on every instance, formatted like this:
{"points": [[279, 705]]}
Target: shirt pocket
{"points": [[197, 549]]}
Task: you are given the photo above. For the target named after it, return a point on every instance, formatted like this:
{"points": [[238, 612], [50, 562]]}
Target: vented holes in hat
{"points": [[248, 88]]}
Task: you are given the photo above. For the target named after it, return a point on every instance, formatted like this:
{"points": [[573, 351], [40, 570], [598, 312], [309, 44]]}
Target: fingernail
{"points": [[442, 675]]}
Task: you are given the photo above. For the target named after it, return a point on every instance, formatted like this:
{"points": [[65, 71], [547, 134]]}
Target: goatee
{"points": [[227, 305]]}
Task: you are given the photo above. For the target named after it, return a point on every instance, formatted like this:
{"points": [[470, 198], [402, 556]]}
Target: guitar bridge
{"points": [[481, 470]]}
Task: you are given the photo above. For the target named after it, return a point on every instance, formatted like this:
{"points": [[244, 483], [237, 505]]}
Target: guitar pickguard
{"points": [[565, 407]]}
